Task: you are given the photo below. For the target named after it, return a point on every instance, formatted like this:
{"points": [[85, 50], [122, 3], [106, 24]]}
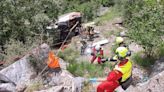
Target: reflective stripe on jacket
{"points": [[125, 69]]}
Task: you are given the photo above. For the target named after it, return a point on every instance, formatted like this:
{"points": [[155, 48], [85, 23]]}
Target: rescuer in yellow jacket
{"points": [[120, 75]]}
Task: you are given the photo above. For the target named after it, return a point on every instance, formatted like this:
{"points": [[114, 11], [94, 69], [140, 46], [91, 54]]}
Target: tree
{"points": [[22, 18], [144, 19]]}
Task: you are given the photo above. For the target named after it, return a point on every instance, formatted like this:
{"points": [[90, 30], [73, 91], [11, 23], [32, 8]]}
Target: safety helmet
{"points": [[119, 40], [121, 52], [97, 47]]}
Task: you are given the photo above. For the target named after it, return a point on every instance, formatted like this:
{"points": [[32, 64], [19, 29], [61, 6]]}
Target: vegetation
{"points": [[144, 19], [24, 19], [23, 22], [112, 13], [141, 60], [161, 51], [83, 68], [86, 69]]}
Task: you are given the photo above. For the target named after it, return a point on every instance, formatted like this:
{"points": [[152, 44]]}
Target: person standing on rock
{"points": [[97, 53], [120, 75], [120, 42]]}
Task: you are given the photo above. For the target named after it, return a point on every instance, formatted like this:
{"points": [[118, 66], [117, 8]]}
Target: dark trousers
{"points": [[126, 83]]}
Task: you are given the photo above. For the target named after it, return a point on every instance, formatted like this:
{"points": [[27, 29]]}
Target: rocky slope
{"points": [[23, 74]]}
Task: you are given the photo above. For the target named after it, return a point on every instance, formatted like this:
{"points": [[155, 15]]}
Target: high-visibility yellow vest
{"points": [[125, 69]]}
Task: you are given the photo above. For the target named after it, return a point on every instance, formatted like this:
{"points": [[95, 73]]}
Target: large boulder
{"points": [[139, 74], [22, 72], [53, 89], [7, 87], [154, 84], [64, 82], [158, 67]]}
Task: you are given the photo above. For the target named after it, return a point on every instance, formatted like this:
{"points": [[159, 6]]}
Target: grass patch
{"points": [[69, 55], [142, 60], [83, 68], [112, 13], [86, 69]]}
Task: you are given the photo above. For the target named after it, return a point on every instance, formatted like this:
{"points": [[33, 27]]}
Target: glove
{"points": [[93, 80], [107, 59]]}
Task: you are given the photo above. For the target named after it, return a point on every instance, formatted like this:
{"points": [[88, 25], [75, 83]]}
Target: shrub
{"points": [[107, 3], [142, 60], [86, 69], [111, 14], [144, 19], [69, 55], [16, 49], [160, 50]]}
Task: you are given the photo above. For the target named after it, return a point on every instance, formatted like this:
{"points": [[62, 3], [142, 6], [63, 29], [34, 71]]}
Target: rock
{"points": [[132, 89], [21, 88], [119, 89], [123, 33], [63, 64], [65, 82], [135, 47], [78, 83], [155, 84], [139, 74], [4, 79], [53, 89], [158, 67], [21, 72], [118, 20], [7, 87], [41, 52], [102, 10]]}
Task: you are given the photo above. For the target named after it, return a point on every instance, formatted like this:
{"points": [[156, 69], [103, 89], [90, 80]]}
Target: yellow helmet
{"points": [[121, 52], [119, 40]]}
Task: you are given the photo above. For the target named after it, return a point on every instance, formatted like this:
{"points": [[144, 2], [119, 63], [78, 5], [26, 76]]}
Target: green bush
{"points": [[17, 49], [69, 55], [142, 60], [86, 69], [107, 3], [112, 13], [144, 19]]}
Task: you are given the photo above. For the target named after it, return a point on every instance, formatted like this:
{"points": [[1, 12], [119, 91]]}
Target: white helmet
{"points": [[97, 47]]}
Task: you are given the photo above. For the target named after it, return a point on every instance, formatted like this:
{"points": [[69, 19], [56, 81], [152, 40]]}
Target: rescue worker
{"points": [[97, 53], [120, 42], [120, 75]]}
